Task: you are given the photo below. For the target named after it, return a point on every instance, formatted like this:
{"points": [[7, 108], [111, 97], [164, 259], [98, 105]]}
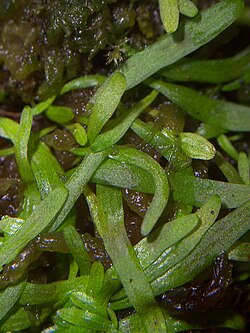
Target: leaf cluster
{"points": [[208, 216]]}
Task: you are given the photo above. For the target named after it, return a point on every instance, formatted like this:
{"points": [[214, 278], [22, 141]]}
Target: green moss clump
{"points": [[47, 43]]}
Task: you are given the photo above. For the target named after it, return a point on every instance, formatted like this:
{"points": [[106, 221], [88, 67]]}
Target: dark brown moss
{"points": [[201, 296]]}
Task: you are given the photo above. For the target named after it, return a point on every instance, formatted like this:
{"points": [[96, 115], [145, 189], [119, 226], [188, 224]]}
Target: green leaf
{"points": [[9, 297], [169, 12], [166, 51], [42, 106], [73, 269], [227, 146], [197, 147], [220, 237], [21, 146], [7, 152], [240, 252], [8, 129], [112, 172], [172, 256], [60, 114], [244, 167], [18, 321], [37, 222], [96, 278], [188, 8], [110, 225], [207, 320], [84, 319], [105, 102], [9, 225], [122, 124], [236, 84], [76, 183], [151, 247], [77, 249], [31, 200], [88, 303], [230, 116], [23, 141], [143, 161], [211, 71], [50, 293], [209, 131], [227, 169], [197, 191], [46, 169], [83, 82], [166, 142], [79, 133]]}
